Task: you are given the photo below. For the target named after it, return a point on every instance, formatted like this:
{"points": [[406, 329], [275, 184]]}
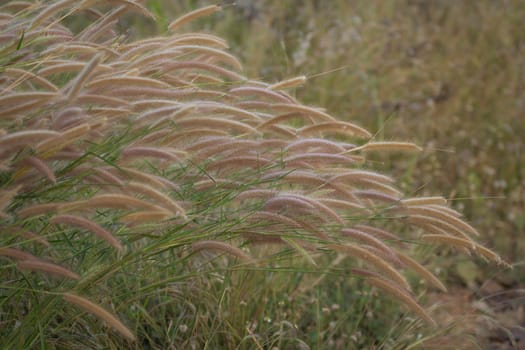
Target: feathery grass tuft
{"points": [[162, 143]]}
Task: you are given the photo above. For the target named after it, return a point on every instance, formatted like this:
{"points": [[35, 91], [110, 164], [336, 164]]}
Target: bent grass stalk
{"points": [[89, 225], [43, 266], [289, 83], [222, 247], [100, 312], [205, 11], [403, 296]]}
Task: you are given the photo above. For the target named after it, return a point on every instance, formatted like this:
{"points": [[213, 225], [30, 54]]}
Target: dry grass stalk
{"points": [[37, 209], [317, 158], [385, 235], [421, 270], [265, 216], [338, 127], [388, 146], [217, 55], [73, 48], [43, 266], [443, 215], [261, 92], [69, 66], [280, 119], [309, 111], [368, 239], [168, 203], [199, 39], [205, 142], [42, 168], [361, 175], [297, 177], [144, 217], [289, 83], [381, 187], [50, 11], [320, 207], [214, 149], [24, 75], [225, 109], [208, 67], [346, 205], [376, 196], [318, 145], [150, 179], [424, 201], [227, 124], [101, 313], [67, 137], [109, 200], [25, 138], [132, 5], [403, 296], [108, 177], [381, 265], [223, 247], [125, 80], [90, 99], [32, 237], [257, 193], [464, 243], [215, 182], [429, 222], [16, 254], [292, 203], [445, 209], [7, 196], [27, 107], [82, 77], [89, 225], [145, 152], [234, 163], [204, 11]]}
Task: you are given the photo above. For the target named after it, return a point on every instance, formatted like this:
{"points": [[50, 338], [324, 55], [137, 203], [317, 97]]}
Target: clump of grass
{"points": [[183, 166]]}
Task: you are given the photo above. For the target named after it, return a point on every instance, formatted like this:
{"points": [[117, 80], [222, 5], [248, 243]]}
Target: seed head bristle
{"points": [[381, 265], [289, 83], [43, 266], [223, 247], [204, 11], [100, 312], [338, 127], [403, 296], [89, 225]]}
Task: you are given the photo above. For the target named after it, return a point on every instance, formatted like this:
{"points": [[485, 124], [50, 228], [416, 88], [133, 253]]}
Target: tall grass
{"points": [[154, 187]]}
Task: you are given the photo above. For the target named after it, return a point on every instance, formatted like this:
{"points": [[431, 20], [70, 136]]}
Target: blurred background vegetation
{"points": [[448, 75]]}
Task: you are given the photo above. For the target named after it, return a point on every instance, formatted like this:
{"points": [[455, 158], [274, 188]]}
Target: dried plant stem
{"points": [[403, 296], [205, 11], [289, 83], [370, 258], [101, 313], [39, 265], [17, 254], [223, 247], [89, 225], [82, 77]]}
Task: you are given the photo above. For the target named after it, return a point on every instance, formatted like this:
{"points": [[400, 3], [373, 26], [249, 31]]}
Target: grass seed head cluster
{"points": [[118, 154]]}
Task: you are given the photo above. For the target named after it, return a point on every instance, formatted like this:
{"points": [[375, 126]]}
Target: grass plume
{"points": [[165, 144]]}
